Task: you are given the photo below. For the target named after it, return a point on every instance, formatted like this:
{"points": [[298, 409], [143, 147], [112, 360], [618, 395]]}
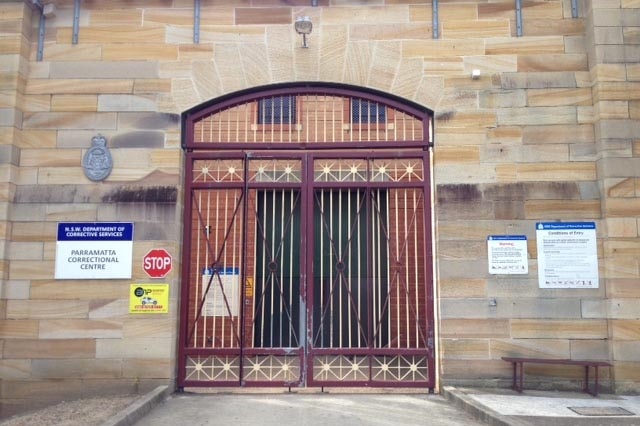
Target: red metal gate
{"points": [[303, 265]]}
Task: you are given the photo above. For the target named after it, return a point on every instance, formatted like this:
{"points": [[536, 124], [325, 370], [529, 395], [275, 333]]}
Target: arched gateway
{"points": [[307, 240]]}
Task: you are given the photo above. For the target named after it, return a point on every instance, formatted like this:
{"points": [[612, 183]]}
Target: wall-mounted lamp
{"points": [[303, 26]]}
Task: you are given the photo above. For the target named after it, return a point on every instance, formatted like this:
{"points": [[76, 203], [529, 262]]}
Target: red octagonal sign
{"points": [[157, 263]]}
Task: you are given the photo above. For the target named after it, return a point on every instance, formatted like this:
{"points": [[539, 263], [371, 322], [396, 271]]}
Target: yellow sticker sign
{"points": [[149, 299]]}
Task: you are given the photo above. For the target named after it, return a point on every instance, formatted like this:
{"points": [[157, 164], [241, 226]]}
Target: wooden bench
{"points": [[518, 370]]}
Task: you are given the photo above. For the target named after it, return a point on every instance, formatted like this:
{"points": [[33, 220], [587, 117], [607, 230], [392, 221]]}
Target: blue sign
{"points": [[565, 225], [506, 237], [95, 231]]}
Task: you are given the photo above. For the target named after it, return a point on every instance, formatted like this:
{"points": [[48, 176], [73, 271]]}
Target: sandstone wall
{"points": [[550, 131]]}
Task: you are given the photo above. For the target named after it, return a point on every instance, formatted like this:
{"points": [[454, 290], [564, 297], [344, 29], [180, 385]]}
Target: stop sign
{"points": [[157, 263]]}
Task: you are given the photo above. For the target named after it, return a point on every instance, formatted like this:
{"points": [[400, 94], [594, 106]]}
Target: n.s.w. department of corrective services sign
{"points": [[94, 250]]}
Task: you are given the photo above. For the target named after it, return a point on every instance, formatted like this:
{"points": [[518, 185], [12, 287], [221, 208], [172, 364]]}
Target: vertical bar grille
{"points": [[313, 118]]}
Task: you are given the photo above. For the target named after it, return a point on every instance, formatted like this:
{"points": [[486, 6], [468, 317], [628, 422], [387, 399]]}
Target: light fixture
{"points": [[303, 26], [475, 74]]}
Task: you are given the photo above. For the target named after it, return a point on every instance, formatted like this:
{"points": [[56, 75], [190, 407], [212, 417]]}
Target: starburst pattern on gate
{"points": [[340, 368], [275, 170], [221, 170], [340, 170], [213, 368], [396, 170], [399, 368], [271, 368]]}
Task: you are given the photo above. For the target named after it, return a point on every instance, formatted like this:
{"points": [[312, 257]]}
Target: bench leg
{"points": [[518, 380], [586, 387]]}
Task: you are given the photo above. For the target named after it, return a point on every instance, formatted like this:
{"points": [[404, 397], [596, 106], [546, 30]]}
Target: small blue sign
{"points": [[506, 237], [95, 231], [565, 225]]}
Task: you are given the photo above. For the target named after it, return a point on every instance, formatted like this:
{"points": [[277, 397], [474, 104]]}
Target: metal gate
{"points": [[307, 264]]}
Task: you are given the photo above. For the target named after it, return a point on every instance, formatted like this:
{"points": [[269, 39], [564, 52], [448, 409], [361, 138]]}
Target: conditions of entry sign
{"points": [[567, 255], [94, 250]]}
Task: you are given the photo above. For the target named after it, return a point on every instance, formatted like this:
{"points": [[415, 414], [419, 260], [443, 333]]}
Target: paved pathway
{"points": [[321, 409]]}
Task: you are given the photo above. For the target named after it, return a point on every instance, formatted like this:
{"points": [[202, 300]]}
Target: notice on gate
{"points": [[507, 254], [94, 250], [221, 292], [567, 255]]}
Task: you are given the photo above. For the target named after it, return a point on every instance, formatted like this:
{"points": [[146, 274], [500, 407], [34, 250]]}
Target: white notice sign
{"points": [[567, 255], [94, 250], [222, 297], [507, 254]]}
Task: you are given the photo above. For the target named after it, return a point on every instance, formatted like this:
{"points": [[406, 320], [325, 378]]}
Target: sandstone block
{"points": [[532, 116], [76, 368], [438, 48], [26, 251], [628, 330], [478, 369], [148, 347], [559, 329], [390, 31], [559, 97], [108, 308], [262, 16], [11, 369], [125, 17], [78, 86], [356, 15], [571, 133], [590, 349], [150, 85], [552, 63], [114, 34], [23, 269], [18, 329], [535, 348], [626, 350], [624, 308], [524, 45], [46, 349], [60, 289], [461, 328], [41, 309], [147, 368], [538, 80], [616, 91], [79, 329], [626, 371], [594, 308], [545, 153], [530, 9], [174, 16], [140, 51], [15, 290], [157, 327], [41, 389], [581, 171], [465, 348], [466, 29], [551, 27], [541, 209], [621, 207], [464, 288], [457, 155], [69, 103]]}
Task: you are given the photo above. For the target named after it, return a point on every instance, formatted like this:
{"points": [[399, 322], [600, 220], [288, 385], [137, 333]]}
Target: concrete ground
{"points": [[319, 409], [453, 407]]}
